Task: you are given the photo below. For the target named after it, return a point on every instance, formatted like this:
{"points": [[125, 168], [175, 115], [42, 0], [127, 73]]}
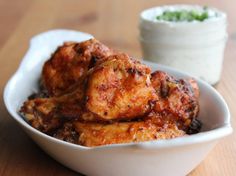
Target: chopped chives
{"points": [[183, 15]]}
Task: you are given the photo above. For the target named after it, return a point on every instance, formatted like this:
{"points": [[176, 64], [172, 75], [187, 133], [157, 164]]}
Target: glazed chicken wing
{"points": [[69, 63], [120, 88], [176, 96], [48, 114], [95, 134]]}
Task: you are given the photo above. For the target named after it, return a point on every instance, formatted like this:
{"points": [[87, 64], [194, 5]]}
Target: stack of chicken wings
{"points": [[92, 95]]}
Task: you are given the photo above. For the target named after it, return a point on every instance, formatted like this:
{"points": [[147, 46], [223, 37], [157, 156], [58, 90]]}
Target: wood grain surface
{"points": [[114, 23]]}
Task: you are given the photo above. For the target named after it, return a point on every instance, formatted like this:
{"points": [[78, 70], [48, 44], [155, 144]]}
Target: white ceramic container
{"points": [[175, 157], [194, 47]]}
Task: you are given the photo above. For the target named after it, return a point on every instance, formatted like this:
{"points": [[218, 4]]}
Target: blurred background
{"points": [[114, 23]]}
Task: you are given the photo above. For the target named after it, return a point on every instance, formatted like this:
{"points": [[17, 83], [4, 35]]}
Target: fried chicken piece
{"points": [[176, 96], [69, 63], [120, 88], [152, 128], [48, 114]]}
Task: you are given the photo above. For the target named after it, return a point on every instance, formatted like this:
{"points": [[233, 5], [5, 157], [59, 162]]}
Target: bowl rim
{"points": [[221, 15], [206, 136]]}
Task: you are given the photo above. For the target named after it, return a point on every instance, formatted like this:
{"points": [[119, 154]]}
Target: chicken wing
{"points": [[48, 114], [176, 96], [69, 63], [95, 134], [120, 88]]}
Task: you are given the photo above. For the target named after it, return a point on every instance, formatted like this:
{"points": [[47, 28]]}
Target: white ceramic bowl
{"points": [[195, 47], [175, 157]]}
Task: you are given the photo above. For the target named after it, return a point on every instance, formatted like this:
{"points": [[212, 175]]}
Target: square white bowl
{"points": [[174, 157]]}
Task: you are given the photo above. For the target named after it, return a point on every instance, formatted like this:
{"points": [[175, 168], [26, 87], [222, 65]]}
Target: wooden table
{"points": [[115, 24]]}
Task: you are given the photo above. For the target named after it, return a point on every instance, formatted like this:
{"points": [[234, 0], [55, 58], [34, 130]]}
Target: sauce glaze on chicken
{"points": [[92, 95]]}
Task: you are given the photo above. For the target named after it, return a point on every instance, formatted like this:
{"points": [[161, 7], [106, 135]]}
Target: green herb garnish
{"points": [[183, 15]]}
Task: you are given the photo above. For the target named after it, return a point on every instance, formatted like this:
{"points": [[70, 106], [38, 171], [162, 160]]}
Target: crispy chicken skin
{"points": [[69, 63], [120, 88], [100, 97]]}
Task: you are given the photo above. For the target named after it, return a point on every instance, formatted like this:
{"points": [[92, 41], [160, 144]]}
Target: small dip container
{"points": [[192, 44]]}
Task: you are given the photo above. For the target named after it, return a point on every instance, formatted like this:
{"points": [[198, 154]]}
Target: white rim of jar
{"points": [[143, 16]]}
